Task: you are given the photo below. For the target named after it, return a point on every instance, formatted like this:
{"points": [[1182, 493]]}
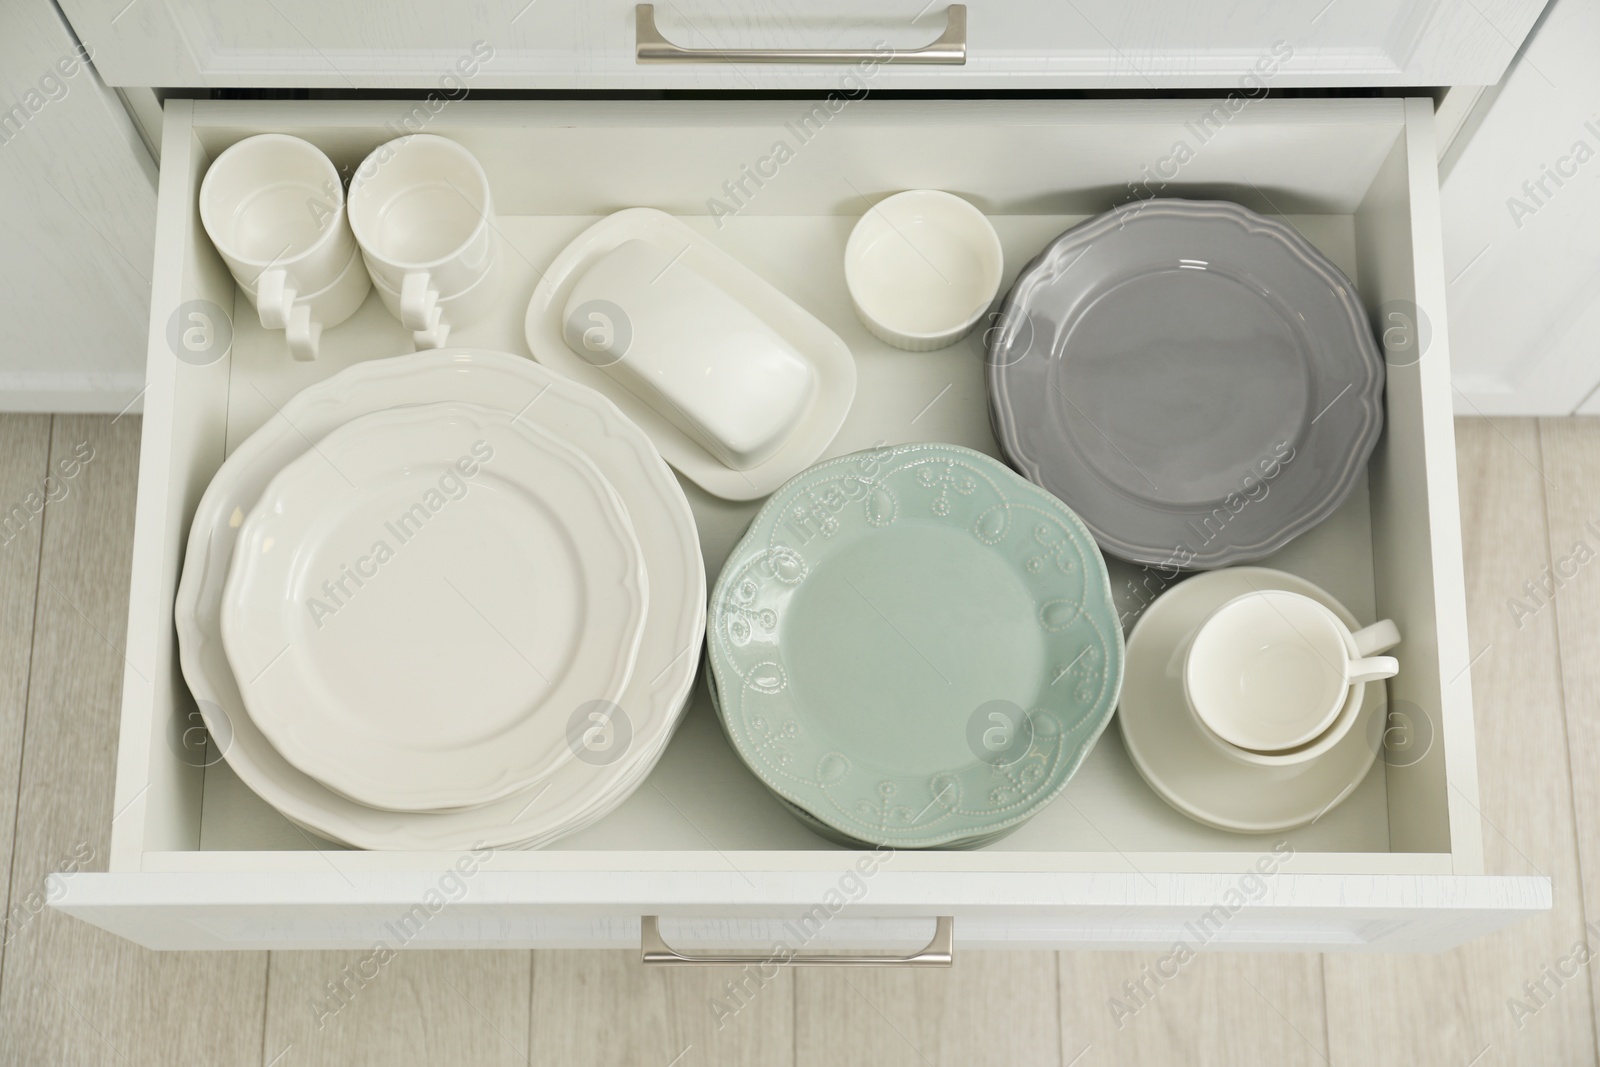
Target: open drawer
{"points": [[198, 861]]}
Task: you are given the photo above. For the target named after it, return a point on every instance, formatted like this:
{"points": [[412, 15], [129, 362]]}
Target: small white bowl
{"points": [[922, 267]]}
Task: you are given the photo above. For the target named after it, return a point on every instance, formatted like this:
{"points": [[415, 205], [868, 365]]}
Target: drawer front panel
{"points": [[1011, 44], [700, 910]]}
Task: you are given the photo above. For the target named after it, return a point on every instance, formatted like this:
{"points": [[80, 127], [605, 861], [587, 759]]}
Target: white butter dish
{"points": [[684, 346], [712, 345]]}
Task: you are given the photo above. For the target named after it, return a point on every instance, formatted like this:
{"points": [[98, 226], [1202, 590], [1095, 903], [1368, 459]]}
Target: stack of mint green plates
{"points": [[913, 646]]}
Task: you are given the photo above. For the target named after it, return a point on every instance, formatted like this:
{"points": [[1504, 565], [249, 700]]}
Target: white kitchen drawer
{"points": [[1011, 44], [198, 861]]}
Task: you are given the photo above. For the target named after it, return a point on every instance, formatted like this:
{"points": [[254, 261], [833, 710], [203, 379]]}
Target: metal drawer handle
{"points": [[951, 47], [940, 952]]}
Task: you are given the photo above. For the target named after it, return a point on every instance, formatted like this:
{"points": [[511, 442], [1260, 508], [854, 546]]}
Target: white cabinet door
{"points": [[1521, 207], [77, 225], [1014, 44]]}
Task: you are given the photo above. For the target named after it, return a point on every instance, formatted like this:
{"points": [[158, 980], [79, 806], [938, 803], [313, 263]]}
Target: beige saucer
{"points": [[1185, 769]]}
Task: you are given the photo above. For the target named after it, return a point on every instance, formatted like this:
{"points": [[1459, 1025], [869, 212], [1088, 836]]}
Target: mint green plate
{"points": [[915, 645], [822, 829]]}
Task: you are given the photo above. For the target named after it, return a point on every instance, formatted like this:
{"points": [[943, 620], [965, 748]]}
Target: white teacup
{"points": [[1270, 671], [274, 207], [421, 211]]}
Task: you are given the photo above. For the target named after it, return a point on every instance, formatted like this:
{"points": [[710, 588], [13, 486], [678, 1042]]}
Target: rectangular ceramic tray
{"points": [[198, 861]]}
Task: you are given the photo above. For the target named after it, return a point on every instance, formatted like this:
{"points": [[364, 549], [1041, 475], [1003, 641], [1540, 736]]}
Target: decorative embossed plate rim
{"points": [[1073, 593]]}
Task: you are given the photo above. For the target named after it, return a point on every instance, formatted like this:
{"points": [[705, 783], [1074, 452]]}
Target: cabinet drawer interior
{"points": [[1354, 177]]}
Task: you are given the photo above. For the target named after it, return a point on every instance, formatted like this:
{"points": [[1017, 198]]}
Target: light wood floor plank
{"points": [[341, 1008], [1572, 460], [25, 446], [1455, 1008], [990, 1008], [70, 993], [605, 1008], [1225, 1009]]}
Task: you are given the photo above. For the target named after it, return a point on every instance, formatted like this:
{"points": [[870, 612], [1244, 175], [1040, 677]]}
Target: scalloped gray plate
{"points": [[1195, 380]]}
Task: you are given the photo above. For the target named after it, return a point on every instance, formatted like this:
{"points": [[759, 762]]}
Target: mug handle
{"points": [[303, 334], [1373, 669], [274, 299], [423, 340], [1379, 637], [419, 302]]}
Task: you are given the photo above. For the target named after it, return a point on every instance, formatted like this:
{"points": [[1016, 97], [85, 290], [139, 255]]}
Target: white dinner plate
{"points": [[579, 791], [1187, 771], [832, 365], [417, 606]]}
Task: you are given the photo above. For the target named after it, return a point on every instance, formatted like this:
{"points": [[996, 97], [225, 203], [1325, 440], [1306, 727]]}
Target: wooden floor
{"points": [[70, 994]]}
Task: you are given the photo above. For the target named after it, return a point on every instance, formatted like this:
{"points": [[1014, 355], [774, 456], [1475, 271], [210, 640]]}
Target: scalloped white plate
{"points": [[577, 793], [418, 605]]}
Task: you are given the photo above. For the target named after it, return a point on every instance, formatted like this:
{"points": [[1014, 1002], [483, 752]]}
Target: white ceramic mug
{"points": [[274, 207], [1270, 671], [421, 211]]}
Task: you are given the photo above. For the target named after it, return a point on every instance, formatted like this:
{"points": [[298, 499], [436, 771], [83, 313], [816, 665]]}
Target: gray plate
{"points": [[1196, 381]]}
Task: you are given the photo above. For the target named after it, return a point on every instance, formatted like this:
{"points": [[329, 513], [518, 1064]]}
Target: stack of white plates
{"points": [[443, 601]]}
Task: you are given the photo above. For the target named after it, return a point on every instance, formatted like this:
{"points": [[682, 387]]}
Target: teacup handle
{"points": [[422, 340], [1379, 637], [419, 302], [274, 299], [304, 335], [1373, 668]]}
